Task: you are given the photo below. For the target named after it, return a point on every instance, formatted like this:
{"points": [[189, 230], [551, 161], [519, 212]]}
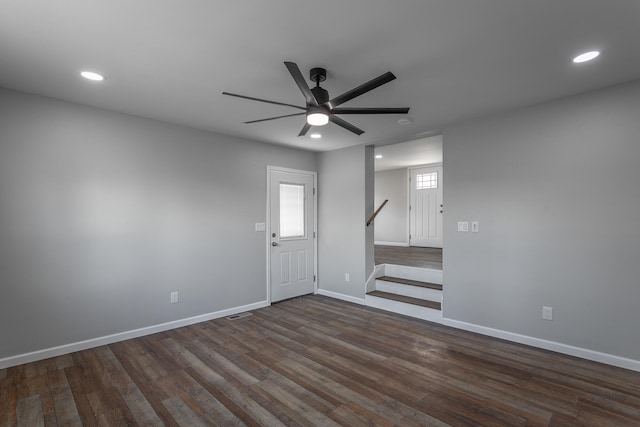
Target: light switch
{"points": [[463, 225], [475, 227], [260, 226]]}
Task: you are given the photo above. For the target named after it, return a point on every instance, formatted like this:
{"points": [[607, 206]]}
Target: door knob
{"points": [[274, 243]]}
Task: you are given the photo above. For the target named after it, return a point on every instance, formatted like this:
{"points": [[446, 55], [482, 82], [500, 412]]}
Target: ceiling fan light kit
{"points": [[317, 118], [320, 109]]}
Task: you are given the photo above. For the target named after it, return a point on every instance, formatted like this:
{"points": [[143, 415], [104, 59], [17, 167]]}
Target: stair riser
{"points": [[409, 290], [413, 273], [404, 308]]}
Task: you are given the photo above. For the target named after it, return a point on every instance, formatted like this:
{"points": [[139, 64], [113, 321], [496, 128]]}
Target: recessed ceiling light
{"points": [[404, 121], [315, 136], [378, 156], [90, 75], [587, 56]]}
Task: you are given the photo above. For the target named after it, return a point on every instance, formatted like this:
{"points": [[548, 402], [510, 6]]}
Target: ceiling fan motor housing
{"points": [[321, 95], [318, 75]]}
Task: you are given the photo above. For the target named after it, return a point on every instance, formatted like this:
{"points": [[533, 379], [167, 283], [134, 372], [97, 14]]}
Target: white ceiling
{"points": [[454, 59], [423, 151]]}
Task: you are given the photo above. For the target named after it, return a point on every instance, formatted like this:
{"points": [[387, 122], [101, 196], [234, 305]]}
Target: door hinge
{"points": [[314, 234], [314, 191], [314, 277]]}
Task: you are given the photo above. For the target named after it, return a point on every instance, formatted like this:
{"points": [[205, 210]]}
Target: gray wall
{"points": [[391, 223], [102, 215], [345, 198], [369, 208], [556, 190]]}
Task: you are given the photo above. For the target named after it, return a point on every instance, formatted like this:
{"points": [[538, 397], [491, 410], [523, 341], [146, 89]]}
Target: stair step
{"points": [[409, 300], [413, 273], [411, 282]]}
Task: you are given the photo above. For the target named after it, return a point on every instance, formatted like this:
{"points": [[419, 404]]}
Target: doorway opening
{"points": [[408, 230]]}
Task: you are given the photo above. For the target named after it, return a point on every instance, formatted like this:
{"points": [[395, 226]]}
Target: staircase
{"points": [[415, 292]]}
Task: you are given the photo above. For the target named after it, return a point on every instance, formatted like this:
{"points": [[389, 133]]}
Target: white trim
{"points": [[407, 181], [403, 244], [370, 284], [427, 294], [421, 274], [342, 297], [268, 224], [33, 356], [403, 308], [596, 356]]}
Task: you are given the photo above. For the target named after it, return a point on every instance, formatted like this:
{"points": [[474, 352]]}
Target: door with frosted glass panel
{"points": [[291, 228]]}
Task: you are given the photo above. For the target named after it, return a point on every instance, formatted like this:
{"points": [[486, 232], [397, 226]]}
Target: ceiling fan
{"points": [[319, 109]]}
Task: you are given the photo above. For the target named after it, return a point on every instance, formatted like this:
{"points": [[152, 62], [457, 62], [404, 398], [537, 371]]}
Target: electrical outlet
{"points": [[174, 297], [547, 313], [463, 225], [347, 278]]}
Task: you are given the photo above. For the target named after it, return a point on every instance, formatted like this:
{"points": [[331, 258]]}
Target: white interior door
{"points": [[426, 207], [291, 234]]}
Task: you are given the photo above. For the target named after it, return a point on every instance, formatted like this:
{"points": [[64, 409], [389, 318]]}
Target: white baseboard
{"points": [[596, 356], [121, 336], [406, 245], [342, 297], [570, 350]]}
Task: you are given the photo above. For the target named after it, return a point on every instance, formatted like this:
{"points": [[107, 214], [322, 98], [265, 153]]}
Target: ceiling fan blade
{"points": [[348, 126], [263, 100], [273, 118], [305, 129], [302, 84], [362, 89], [369, 110]]}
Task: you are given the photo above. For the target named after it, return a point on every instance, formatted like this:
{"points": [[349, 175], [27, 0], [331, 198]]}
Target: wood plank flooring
{"points": [[317, 361], [411, 256]]}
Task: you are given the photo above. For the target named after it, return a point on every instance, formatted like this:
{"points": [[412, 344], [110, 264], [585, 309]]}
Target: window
{"points": [[291, 211], [427, 180]]}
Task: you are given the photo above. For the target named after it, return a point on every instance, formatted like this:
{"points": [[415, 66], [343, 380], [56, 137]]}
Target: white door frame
{"points": [[268, 224], [408, 181]]}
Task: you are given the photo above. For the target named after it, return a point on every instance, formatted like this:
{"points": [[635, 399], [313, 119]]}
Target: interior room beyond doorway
{"points": [[392, 233]]}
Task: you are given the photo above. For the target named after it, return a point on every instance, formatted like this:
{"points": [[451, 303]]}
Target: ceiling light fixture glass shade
{"points": [[587, 56], [317, 118]]}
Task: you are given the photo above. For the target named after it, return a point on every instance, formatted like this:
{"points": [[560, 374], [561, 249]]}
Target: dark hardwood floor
{"points": [[411, 256], [318, 361]]}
